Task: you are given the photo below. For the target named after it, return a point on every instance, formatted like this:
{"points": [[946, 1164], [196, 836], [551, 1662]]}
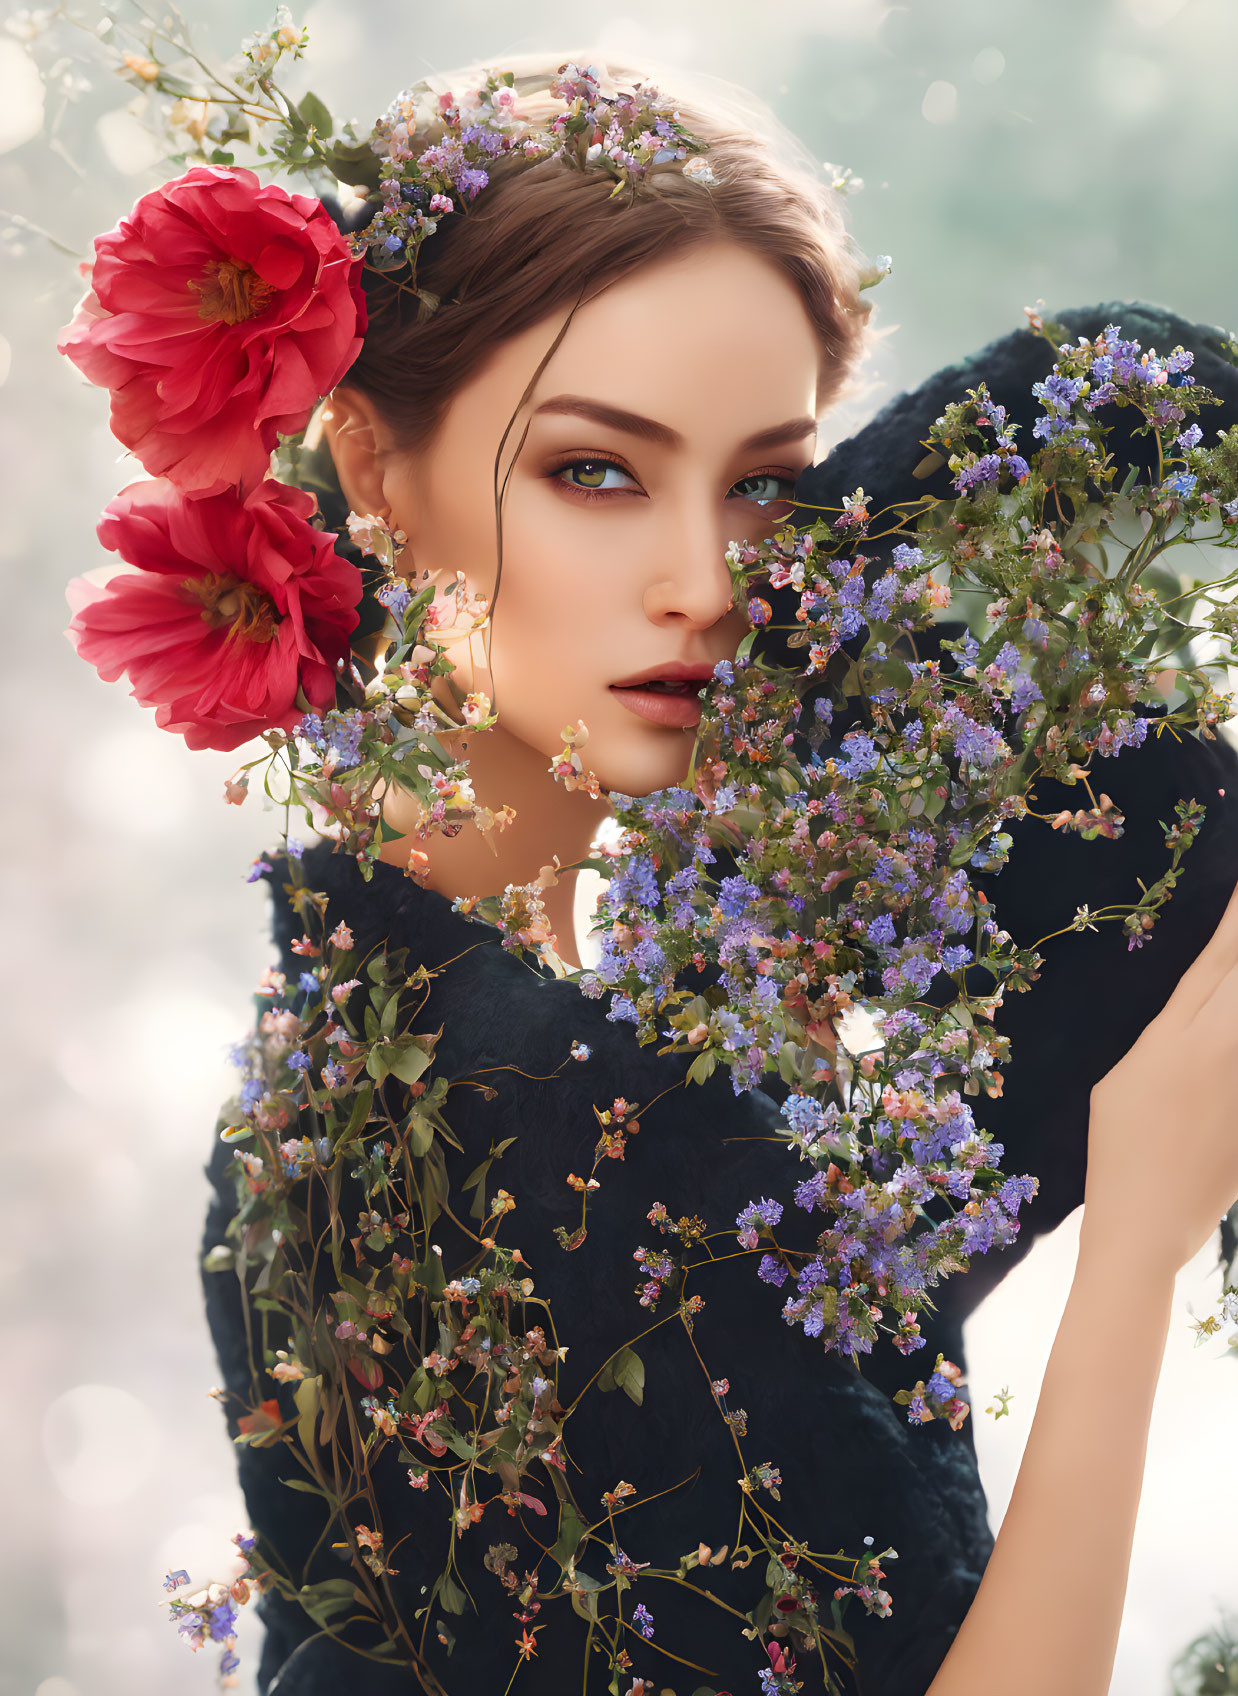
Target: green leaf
{"points": [[315, 112], [221, 156], [406, 1061], [332, 1596], [430, 1275], [307, 1396], [930, 463], [353, 163], [360, 1112], [304, 1486], [451, 1598], [702, 1066], [625, 1372], [420, 1135], [586, 1606], [571, 1530]]}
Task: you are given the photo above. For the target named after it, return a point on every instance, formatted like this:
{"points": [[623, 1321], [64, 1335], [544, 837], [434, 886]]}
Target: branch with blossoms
{"points": [[853, 870], [370, 1342]]}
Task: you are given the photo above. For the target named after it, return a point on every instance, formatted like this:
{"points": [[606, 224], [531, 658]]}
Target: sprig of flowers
{"points": [[852, 870], [461, 137]]}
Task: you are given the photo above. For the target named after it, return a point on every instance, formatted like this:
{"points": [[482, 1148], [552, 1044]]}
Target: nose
{"points": [[689, 581]]}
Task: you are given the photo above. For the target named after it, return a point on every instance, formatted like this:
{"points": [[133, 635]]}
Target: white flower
{"points": [[698, 170]]}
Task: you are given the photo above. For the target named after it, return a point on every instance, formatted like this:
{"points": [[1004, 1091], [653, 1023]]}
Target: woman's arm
{"points": [[1047, 1613], [1162, 1169]]}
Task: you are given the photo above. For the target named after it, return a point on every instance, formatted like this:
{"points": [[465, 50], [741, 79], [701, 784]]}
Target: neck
{"points": [[549, 820]]}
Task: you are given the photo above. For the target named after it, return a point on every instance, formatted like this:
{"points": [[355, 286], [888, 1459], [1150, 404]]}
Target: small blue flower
{"points": [[623, 1008], [223, 1620], [642, 1619], [1024, 691], [299, 1060], [804, 1114], [881, 929], [984, 469], [396, 598]]}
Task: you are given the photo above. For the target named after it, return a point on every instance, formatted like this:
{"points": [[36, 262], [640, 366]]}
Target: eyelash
{"points": [[605, 459]]}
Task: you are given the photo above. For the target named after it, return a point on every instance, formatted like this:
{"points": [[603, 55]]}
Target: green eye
{"points": [[589, 473], [771, 490]]}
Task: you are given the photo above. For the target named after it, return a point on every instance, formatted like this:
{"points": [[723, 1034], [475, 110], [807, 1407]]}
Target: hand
{"points": [[1163, 1132]]}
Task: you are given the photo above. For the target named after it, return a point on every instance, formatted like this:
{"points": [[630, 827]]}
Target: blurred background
{"points": [[1066, 153]]}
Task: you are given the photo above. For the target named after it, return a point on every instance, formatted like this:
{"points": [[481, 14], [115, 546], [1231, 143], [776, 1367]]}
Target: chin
{"points": [[643, 771]]}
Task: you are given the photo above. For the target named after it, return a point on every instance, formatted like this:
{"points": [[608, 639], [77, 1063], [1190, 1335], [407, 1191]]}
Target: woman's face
{"points": [[678, 402]]}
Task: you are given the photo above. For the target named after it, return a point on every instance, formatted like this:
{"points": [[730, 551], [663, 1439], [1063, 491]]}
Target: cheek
{"points": [[557, 625]]}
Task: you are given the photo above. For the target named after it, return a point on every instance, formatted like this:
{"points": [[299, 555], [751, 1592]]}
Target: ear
{"points": [[357, 440]]}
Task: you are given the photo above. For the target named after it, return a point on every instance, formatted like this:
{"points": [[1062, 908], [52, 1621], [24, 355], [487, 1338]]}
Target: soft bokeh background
{"points": [[1066, 152]]}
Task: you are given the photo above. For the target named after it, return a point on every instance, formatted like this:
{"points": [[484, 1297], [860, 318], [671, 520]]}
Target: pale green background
{"points": [[1067, 150]]}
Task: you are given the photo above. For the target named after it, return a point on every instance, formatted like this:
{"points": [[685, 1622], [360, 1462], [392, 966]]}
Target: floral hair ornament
{"points": [[626, 136], [221, 311]]}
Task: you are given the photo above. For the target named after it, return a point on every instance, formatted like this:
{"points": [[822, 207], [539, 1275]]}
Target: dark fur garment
{"points": [[852, 1465]]}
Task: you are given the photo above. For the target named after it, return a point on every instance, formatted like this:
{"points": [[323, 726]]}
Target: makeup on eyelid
{"points": [[600, 459]]}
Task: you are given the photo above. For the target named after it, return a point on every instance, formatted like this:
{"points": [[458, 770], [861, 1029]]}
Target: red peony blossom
{"points": [[238, 606], [221, 310]]}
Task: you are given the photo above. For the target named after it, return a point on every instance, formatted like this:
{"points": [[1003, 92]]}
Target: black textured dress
{"points": [[852, 1466]]}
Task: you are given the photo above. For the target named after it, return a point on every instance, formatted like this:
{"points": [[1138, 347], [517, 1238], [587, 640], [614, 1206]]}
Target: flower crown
{"points": [[220, 312], [625, 136]]}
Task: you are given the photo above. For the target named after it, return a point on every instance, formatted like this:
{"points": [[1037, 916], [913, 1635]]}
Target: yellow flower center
{"points": [[249, 613], [230, 291]]}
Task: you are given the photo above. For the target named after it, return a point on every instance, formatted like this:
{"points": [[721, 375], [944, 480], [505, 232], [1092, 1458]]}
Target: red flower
{"points": [[220, 311], [264, 1418], [238, 608]]}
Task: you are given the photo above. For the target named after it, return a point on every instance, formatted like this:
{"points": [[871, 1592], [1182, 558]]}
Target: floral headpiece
{"points": [[624, 136], [220, 312]]}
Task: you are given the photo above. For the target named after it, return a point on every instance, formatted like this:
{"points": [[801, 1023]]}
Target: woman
{"points": [[642, 385]]}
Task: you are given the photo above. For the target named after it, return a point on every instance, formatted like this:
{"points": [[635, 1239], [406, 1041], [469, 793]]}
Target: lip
{"points": [[673, 671], [680, 712]]}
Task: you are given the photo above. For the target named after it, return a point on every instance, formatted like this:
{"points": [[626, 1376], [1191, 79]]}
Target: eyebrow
{"points": [[649, 430]]}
